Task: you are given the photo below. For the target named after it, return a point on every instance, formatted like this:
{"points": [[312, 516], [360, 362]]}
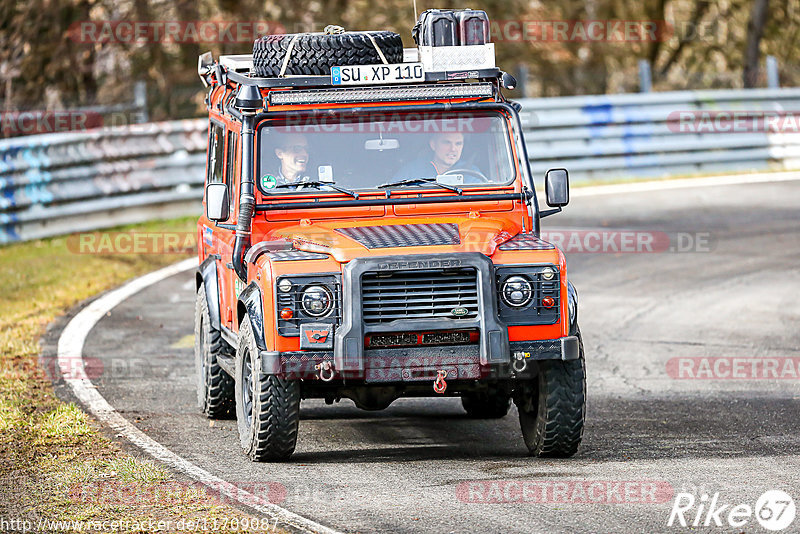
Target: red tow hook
{"points": [[439, 385]]}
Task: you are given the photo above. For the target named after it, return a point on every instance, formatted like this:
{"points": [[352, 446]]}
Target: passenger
{"points": [[292, 156], [446, 149]]}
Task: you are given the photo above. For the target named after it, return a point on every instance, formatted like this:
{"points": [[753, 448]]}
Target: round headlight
{"points": [[548, 273], [317, 301], [285, 285], [516, 291]]}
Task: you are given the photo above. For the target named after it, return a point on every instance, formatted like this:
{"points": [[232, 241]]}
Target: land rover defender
{"points": [[371, 232]]}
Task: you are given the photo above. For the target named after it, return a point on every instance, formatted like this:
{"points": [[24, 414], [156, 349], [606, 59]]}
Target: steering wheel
{"points": [[477, 174]]}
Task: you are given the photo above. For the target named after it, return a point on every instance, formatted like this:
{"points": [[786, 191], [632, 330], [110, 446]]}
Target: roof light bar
{"points": [[381, 94]]}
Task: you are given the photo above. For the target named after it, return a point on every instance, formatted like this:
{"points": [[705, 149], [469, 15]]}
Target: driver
{"points": [[292, 156], [445, 155]]}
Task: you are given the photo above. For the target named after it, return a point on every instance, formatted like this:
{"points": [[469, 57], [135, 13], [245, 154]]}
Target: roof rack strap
{"points": [[378, 49], [288, 55]]}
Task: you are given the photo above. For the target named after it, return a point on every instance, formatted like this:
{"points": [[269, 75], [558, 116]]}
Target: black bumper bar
{"points": [[420, 363]]}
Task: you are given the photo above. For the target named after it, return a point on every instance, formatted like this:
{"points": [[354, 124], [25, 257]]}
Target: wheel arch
{"points": [[572, 306], [206, 275], [250, 303]]}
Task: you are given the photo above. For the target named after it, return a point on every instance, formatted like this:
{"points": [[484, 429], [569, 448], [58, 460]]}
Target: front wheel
{"points": [[267, 406], [552, 408], [214, 386]]}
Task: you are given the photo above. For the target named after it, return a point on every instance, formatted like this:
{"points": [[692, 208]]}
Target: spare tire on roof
{"points": [[316, 53]]}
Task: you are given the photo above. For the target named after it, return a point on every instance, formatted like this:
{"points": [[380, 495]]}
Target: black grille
{"points": [[403, 235], [419, 294]]}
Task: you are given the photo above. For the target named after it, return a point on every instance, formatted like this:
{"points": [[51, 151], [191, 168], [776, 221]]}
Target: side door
{"points": [[221, 233], [233, 285]]}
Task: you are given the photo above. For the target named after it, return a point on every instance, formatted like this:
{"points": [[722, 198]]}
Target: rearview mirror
{"points": [[556, 186], [381, 144], [217, 202]]}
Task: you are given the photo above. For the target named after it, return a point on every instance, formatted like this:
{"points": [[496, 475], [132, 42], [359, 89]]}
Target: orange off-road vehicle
{"points": [[371, 232]]}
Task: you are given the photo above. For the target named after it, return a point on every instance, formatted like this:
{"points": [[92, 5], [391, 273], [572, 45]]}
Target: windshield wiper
{"points": [[317, 183], [410, 181]]}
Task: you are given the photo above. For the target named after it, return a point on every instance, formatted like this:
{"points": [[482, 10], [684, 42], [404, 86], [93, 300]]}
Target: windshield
{"points": [[384, 150]]}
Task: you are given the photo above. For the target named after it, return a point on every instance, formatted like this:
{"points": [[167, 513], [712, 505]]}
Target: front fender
{"points": [[572, 306], [250, 301], [207, 275]]}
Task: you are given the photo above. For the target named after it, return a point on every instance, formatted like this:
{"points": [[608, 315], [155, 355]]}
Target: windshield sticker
{"points": [[268, 181]]}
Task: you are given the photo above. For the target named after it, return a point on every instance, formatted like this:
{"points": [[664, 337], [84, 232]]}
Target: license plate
{"points": [[369, 74], [316, 336]]}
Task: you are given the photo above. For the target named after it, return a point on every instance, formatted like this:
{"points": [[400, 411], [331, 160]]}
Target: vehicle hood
{"points": [[349, 240]]}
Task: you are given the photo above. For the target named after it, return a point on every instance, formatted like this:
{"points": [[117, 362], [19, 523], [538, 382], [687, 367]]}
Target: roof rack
{"points": [[479, 65], [326, 81]]}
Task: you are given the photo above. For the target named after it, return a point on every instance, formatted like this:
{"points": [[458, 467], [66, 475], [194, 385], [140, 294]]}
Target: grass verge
{"points": [[55, 465]]}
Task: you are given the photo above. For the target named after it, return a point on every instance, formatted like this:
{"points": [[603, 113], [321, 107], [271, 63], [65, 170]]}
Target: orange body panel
{"points": [[483, 226]]}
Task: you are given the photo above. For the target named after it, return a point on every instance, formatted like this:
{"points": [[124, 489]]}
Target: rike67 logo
{"points": [[774, 510]]}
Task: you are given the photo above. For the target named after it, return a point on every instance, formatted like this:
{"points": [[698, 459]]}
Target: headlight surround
{"points": [[293, 301], [516, 291], [317, 301], [534, 312]]}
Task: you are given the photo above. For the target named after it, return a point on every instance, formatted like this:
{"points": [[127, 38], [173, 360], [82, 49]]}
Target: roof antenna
{"points": [[415, 11]]}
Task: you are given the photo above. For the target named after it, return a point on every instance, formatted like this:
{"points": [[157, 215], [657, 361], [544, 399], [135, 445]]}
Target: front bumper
{"points": [[349, 352], [414, 364]]}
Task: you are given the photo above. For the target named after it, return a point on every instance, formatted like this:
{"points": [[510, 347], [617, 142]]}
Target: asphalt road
{"points": [[735, 295]]}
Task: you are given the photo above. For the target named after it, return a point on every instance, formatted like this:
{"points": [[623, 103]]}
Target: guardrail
{"points": [[663, 134], [67, 182]]}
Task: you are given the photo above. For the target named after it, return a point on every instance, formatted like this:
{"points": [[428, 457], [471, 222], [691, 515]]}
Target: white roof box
{"points": [[470, 57], [237, 62]]}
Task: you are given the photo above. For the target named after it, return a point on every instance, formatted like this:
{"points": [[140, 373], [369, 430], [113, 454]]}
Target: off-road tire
{"points": [[552, 408], [486, 405], [214, 385], [316, 53], [268, 423]]}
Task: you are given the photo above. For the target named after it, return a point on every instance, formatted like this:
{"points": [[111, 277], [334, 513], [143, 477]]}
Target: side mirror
{"points": [[556, 186], [204, 63], [508, 81], [217, 202]]}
